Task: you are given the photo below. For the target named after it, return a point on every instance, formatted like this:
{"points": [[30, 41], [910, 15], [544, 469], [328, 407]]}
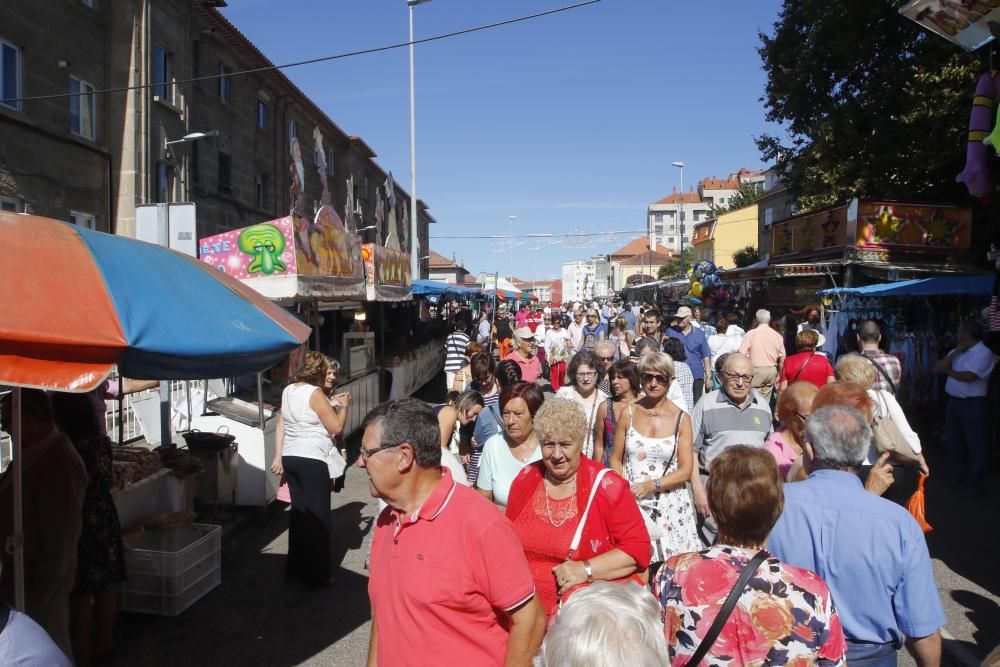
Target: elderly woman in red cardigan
{"points": [[548, 499]]}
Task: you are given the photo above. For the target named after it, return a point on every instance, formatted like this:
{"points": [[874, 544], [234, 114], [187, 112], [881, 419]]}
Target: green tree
{"points": [[744, 196], [746, 256], [871, 103], [672, 267]]}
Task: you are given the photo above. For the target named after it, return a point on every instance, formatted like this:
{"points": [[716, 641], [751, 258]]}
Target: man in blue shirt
{"points": [[699, 356], [869, 551]]}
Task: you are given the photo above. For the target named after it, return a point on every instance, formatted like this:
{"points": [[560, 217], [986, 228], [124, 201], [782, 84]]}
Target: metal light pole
{"points": [[510, 248], [414, 227], [680, 165]]}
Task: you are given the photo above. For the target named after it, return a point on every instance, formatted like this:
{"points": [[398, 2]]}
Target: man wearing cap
{"points": [[766, 349], [524, 355], [699, 356]]}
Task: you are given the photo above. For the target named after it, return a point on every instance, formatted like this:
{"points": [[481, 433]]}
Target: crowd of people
{"points": [[692, 493]]}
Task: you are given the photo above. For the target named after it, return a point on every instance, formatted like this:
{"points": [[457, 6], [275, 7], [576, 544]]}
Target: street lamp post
{"points": [[414, 227], [510, 248], [680, 165]]}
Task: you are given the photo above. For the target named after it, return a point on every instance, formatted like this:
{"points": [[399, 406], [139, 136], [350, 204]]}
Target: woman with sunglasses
{"points": [[582, 388], [593, 331], [785, 444], [653, 452]]}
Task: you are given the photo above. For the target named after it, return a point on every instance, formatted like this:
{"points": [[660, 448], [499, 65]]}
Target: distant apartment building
{"points": [[586, 279], [663, 217], [244, 148], [540, 289]]}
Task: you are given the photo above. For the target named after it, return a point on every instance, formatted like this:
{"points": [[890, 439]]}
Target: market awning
{"points": [[939, 286], [434, 288]]}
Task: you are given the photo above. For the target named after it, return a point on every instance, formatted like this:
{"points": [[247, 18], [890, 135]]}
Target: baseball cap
{"points": [[683, 311], [524, 333]]}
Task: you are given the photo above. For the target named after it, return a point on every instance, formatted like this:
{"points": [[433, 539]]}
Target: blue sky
{"points": [[569, 122]]}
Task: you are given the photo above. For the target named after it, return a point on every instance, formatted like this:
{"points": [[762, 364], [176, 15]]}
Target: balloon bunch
{"points": [[706, 287]]}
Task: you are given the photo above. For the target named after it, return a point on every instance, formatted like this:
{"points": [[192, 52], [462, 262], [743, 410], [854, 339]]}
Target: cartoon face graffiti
{"points": [[265, 243]]}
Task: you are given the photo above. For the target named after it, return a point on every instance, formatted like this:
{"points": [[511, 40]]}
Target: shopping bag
{"points": [[916, 505]]}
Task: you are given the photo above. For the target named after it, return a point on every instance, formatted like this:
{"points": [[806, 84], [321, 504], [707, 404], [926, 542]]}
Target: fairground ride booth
{"points": [[861, 242], [330, 280]]}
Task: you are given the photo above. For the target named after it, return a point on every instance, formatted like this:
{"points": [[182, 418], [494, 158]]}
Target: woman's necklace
{"points": [[548, 511], [524, 459]]}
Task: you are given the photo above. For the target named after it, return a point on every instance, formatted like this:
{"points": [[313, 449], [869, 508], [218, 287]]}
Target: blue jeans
{"points": [[871, 655]]}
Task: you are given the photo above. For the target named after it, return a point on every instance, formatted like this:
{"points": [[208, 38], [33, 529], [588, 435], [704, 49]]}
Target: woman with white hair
{"points": [[606, 624]]}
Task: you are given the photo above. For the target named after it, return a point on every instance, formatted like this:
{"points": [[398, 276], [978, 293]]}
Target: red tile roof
{"points": [[633, 247], [438, 261], [718, 184], [689, 197]]}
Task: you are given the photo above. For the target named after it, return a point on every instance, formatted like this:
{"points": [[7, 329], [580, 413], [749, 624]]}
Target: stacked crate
{"points": [[172, 568]]}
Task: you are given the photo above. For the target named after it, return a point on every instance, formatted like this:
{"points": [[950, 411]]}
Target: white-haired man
{"points": [[868, 550], [766, 349]]}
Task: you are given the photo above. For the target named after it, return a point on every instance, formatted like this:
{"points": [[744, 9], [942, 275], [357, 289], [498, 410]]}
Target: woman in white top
{"points": [[582, 388], [451, 417], [305, 453], [654, 453], [506, 453], [558, 350], [860, 370]]}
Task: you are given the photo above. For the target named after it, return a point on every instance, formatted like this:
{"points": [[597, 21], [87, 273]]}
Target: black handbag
{"points": [[727, 608]]}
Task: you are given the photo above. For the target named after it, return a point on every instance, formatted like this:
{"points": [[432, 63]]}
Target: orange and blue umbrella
{"points": [[77, 302]]}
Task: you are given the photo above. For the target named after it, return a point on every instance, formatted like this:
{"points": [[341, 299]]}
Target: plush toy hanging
{"points": [[976, 174]]}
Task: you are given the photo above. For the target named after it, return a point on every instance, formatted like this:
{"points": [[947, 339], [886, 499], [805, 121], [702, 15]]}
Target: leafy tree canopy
{"points": [[672, 267], [746, 256], [871, 103]]}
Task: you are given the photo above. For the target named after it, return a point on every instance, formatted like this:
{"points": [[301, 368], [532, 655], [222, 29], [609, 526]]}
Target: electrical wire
{"points": [[543, 236], [311, 61]]}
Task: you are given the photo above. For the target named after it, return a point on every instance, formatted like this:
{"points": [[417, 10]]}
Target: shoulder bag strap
{"points": [[802, 367], [727, 608], [677, 440], [878, 367], [583, 517]]}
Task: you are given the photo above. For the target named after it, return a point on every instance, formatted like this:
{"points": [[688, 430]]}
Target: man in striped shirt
{"points": [[888, 370], [733, 415], [454, 347]]}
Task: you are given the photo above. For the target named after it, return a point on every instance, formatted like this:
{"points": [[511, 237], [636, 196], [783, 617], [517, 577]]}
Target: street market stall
{"points": [[77, 303]]}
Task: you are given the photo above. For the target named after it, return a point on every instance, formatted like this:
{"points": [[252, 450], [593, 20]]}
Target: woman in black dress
{"points": [[100, 555]]}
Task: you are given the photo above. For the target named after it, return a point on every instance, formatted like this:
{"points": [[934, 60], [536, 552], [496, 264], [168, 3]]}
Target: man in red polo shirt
{"points": [[449, 582]]}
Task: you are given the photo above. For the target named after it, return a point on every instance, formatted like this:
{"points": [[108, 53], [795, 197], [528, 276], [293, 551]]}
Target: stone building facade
{"points": [[91, 158]]}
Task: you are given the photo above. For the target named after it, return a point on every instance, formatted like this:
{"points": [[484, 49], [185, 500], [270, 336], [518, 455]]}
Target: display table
{"points": [[416, 369]]}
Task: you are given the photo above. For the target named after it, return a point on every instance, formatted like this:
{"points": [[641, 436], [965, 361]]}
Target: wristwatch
{"points": [[656, 484], [589, 570]]}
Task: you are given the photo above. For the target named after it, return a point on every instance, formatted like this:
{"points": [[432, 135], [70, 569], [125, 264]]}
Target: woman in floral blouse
{"points": [[785, 615]]}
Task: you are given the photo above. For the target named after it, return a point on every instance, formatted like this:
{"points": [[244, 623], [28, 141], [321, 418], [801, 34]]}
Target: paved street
{"points": [[254, 618]]}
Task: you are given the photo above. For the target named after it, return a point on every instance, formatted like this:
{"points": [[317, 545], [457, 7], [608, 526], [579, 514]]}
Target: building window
{"points": [[259, 190], [11, 205], [224, 83], [163, 74], [261, 114], [658, 217], [164, 185], [670, 240], [194, 164], [82, 115], [365, 189], [87, 220], [293, 130], [10, 75], [225, 173], [88, 3], [329, 162]]}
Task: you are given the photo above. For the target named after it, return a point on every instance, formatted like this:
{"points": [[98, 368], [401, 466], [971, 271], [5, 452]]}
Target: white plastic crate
{"points": [[170, 552], [171, 605], [175, 585]]}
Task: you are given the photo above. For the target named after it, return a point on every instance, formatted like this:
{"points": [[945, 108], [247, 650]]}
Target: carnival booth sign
{"points": [[291, 258], [387, 273]]}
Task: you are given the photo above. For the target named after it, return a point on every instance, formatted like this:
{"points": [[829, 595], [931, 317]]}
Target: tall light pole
{"points": [[414, 227], [680, 165], [510, 248]]}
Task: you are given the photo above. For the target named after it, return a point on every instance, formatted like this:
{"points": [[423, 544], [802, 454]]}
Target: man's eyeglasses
{"points": [[733, 377], [368, 453], [655, 377]]}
